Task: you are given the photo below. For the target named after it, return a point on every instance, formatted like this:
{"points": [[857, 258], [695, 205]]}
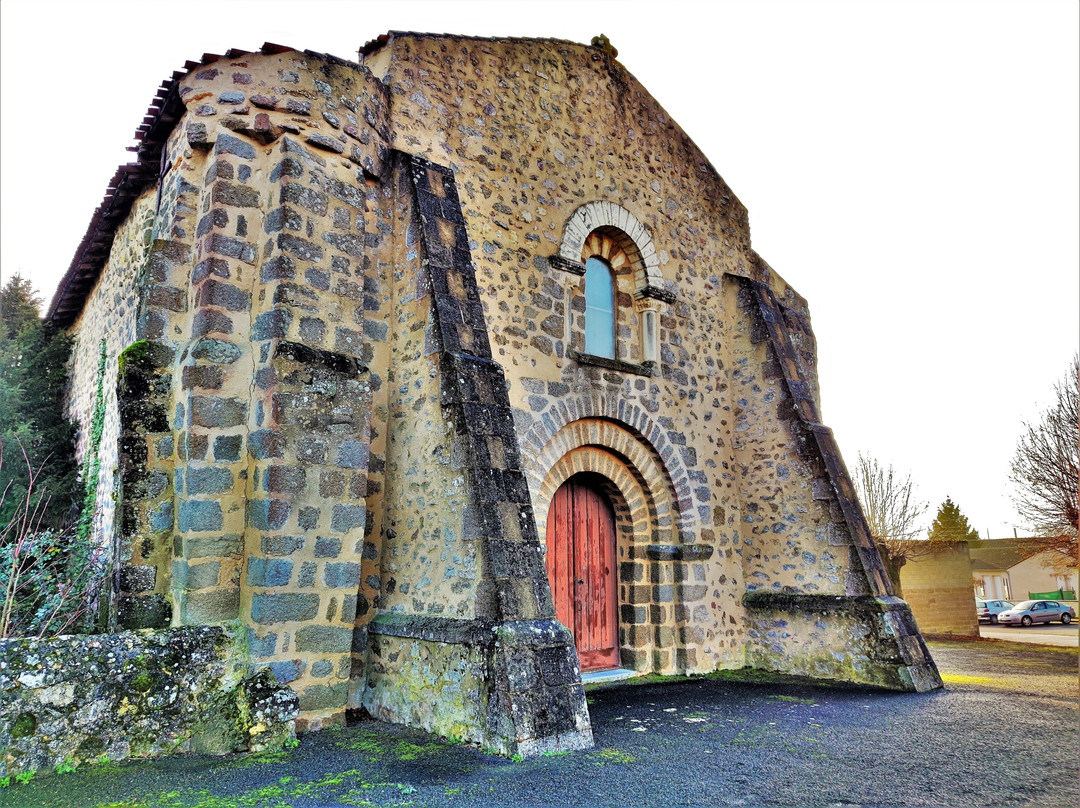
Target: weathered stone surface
{"points": [[283, 607], [116, 696]]}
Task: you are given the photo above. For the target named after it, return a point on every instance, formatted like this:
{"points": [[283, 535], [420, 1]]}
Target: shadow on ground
{"points": [[1003, 733]]}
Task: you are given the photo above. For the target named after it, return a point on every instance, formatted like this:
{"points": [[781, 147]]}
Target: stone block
{"points": [[343, 574], [147, 611], [311, 450], [216, 350], [195, 576], [351, 454], [209, 480], [324, 697], [211, 411], [228, 144], [263, 646], [268, 514], [272, 324], [346, 517], [210, 606], [264, 444], [308, 517], [281, 545], [223, 295], [324, 639], [200, 515], [284, 479], [227, 448], [287, 671], [215, 546], [204, 377], [326, 547], [306, 577], [270, 608], [135, 579], [269, 571]]}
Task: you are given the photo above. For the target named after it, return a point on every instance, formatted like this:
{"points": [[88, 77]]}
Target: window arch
{"points": [[613, 235], [599, 308]]}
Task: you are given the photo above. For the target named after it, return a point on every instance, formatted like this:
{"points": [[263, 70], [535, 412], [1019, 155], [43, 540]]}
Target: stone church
{"points": [[451, 376]]}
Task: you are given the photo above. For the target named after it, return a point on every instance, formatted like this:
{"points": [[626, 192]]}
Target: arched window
{"points": [[599, 309]]}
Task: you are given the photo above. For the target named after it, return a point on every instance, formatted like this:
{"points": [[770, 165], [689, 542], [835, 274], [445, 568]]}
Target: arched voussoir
{"points": [[625, 429], [623, 227]]}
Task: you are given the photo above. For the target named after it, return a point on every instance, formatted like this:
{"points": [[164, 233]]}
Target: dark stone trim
{"points": [[432, 629], [567, 265], [655, 293], [824, 604], [338, 363], [644, 369], [679, 552]]}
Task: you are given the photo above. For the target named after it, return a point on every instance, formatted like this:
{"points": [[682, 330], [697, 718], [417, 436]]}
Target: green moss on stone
{"points": [[25, 725]]}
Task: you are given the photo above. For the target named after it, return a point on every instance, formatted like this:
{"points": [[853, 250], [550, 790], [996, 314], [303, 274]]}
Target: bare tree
{"points": [[1045, 471], [892, 512]]}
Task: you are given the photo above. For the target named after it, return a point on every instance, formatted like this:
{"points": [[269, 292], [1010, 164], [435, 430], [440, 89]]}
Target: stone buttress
{"points": [[466, 605], [793, 629]]}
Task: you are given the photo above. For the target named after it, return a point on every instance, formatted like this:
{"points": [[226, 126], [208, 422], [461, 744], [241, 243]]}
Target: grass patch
{"points": [[602, 757], [793, 699]]}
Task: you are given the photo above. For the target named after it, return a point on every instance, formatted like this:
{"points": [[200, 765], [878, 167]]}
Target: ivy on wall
{"points": [[92, 460]]}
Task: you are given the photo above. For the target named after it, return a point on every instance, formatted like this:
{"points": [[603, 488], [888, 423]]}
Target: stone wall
{"points": [[105, 328], [938, 587], [560, 154], [248, 465], [73, 700]]}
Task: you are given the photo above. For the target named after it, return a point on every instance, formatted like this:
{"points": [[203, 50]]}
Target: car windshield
{"points": [[980, 602], [1027, 604]]}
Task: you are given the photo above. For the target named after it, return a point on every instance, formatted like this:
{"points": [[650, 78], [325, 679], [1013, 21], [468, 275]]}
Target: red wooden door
{"points": [[581, 569]]}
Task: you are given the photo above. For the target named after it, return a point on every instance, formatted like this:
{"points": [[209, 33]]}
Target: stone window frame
{"points": [[601, 289], [605, 223]]}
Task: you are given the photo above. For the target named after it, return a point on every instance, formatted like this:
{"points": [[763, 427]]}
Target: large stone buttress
{"points": [[484, 637]]}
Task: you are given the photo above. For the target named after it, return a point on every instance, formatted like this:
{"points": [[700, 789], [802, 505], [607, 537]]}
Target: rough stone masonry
{"points": [[338, 314]]}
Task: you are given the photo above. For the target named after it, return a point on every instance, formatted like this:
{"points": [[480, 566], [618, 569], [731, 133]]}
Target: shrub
{"points": [[50, 581]]}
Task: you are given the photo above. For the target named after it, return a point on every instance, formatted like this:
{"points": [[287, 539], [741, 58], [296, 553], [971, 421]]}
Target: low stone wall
{"points": [[135, 694]]}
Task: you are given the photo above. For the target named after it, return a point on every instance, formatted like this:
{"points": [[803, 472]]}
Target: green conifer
{"points": [[951, 525], [33, 374]]}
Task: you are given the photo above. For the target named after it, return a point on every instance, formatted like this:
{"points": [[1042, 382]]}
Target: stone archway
{"points": [[624, 228]]}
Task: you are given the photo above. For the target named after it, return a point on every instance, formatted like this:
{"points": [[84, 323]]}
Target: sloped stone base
{"points": [[513, 688], [858, 639]]}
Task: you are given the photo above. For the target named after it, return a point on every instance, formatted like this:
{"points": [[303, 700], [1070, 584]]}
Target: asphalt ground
{"points": [[1004, 732], [1043, 634]]}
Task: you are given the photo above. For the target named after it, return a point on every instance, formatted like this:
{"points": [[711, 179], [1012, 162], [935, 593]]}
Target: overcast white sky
{"points": [[912, 168]]}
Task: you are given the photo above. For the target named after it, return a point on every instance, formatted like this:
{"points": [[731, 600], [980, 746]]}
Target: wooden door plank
{"points": [[581, 563], [563, 571]]}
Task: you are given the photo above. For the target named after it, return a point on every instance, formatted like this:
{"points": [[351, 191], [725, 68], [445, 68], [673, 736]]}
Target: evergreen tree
{"points": [[951, 525], [33, 372]]}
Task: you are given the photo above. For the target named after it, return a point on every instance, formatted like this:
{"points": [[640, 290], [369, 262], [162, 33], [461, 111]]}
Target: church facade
{"points": [[451, 374]]}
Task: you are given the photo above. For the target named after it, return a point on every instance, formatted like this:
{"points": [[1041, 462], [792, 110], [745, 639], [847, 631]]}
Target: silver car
{"points": [[1036, 611], [989, 610]]}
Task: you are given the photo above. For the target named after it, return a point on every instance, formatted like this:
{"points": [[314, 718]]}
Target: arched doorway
{"points": [[581, 563]]}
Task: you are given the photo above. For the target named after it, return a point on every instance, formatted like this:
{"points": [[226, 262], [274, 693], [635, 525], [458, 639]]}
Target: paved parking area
{"points": [[1051, 634], [1003, 733]]}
